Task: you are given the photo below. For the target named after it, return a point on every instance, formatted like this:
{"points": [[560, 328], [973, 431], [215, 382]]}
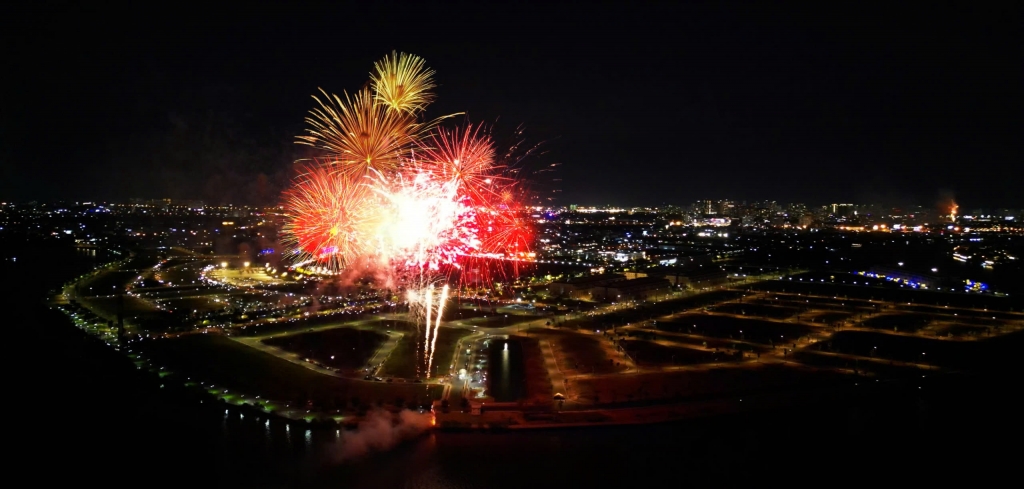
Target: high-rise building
{"points": [[706, 207]]}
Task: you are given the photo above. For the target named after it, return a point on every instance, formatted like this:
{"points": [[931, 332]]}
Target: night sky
{"points": [[640, 105]]}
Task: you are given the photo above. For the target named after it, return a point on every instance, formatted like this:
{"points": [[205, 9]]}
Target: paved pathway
{"points": [[558, 379]]}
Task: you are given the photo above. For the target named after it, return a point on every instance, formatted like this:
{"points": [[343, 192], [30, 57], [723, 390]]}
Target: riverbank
{"points": [[826, 398]]}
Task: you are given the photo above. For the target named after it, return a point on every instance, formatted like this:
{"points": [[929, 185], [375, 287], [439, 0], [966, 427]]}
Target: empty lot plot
{"points": [[960, 330], [811, 304], [757, 310], [538, 382], [580, 352], [962, 312], [895, 295], [863, 366], [829, 317], [754, 330], [902, 348], [700, 384], [695, 341], [650, 353], [904, 323], [654, 310]]}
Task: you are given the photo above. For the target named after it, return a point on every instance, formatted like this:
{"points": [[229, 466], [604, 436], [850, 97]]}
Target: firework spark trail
{"points": [[437, 327], [466, 157], [426, 341]]}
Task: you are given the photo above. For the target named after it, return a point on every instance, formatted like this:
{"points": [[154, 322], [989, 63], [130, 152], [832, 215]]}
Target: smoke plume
{"points": [[382, 430]]}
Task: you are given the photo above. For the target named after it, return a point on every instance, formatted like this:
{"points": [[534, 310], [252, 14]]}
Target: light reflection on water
{"points": [[574, 458], [693, 452]]}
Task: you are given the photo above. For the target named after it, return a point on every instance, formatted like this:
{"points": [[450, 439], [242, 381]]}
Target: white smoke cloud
{"points": [[382, 430]]}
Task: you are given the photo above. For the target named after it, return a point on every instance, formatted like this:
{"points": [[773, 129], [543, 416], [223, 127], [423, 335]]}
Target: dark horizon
{"points": [[646, 106]]}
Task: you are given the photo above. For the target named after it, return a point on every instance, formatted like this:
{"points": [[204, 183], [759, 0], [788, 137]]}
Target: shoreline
{"points": [[498, 421]]}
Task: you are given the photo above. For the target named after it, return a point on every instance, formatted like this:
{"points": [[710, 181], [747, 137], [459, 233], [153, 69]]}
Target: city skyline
{"points": [[685, 102], [438, 244]]}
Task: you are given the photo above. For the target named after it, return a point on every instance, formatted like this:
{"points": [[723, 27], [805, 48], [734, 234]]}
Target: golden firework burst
{"points": [[402, 82], [360, 135]]}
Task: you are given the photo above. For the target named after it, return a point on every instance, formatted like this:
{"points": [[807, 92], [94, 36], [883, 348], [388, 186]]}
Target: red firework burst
{"points": [[330, 217]]}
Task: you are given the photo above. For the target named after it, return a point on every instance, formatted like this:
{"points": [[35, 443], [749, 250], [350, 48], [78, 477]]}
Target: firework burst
{"points": [[330, 214], [464, 157], [360, 135], [402, 82], [414, 200], [424, 223]]}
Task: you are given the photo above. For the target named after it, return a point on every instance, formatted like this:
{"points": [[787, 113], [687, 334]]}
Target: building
{"points": [[581, 287], [702, 277], [909, 277], [635, 289]]}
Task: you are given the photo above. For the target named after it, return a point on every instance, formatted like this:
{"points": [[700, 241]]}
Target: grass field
{"points": [[133, 306], [107, 282], [166, 293], [407, 362], [291, 325], [501, 320], [340, 348], [219, 360], [185, 274], [197, 304]]}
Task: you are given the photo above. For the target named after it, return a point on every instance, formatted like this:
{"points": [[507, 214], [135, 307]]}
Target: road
{"points": [[459, 386]]}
